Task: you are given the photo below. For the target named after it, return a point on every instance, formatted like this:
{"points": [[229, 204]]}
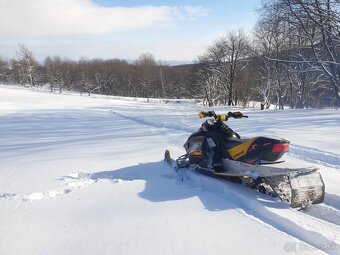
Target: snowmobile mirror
{"points": [[221, 117], [202, 115], [206, 114], [236, 115]]}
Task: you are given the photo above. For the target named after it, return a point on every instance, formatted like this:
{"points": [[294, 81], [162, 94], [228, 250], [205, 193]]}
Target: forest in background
{"points": [[291, 58]]}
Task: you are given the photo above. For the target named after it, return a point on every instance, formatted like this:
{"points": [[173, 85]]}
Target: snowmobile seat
{"points": [[228, 144]]}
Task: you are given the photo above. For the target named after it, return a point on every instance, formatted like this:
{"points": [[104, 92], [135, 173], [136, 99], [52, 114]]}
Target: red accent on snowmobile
{"points": [[280, 147]]}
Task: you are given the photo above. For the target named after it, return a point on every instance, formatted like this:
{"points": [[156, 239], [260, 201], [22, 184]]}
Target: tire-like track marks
{"points": [[315, 156]]}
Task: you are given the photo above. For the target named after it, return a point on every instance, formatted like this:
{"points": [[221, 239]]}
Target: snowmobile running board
{"points": [[244, 169], [297, 186]]}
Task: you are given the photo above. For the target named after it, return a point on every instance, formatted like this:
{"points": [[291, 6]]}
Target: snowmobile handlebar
{"points": [[222, 117]]}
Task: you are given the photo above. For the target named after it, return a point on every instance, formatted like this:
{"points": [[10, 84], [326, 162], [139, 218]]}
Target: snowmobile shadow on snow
{"points": [[164, 184], [157, 188]]}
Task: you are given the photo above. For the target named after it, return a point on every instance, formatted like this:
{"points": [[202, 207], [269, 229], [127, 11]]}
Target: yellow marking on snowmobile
{"points": [[241, 149], [196, 153], [223, 117]]}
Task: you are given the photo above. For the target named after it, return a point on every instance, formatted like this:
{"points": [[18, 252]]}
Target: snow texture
{"points": [[85, 175]]}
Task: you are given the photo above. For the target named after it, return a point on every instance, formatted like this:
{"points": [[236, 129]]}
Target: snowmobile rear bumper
{"points": [[297, 186], [307, 188]]}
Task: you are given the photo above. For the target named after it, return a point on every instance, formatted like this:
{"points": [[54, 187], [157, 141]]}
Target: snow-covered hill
{"points": [[84, 175]]}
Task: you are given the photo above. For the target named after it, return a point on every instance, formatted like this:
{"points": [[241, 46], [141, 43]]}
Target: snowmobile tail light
{"points": [[280, 147]]}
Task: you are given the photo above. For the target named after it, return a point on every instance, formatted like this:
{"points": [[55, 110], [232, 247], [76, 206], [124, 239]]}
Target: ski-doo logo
{"points": [[241, 149]]}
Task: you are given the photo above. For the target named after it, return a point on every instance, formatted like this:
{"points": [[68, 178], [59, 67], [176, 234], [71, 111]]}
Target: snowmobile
{"points": [[216, 150]]}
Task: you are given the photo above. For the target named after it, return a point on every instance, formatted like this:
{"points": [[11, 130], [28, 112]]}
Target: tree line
{"points": [[142, 78], [292, 58]]}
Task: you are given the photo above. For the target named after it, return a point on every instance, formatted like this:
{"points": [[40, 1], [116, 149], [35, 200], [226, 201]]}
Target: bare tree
{"points": [[25, 65], [209, 83], [271, 39], [268, 80], [226, 58], [147, 74], [315, 29], [4, 70], [57, 72]]}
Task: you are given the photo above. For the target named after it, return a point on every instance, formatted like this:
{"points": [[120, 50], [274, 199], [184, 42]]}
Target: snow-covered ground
{"points": [[84, 175]]}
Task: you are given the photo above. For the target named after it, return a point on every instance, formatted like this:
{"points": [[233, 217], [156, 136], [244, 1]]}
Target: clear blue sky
{"points": [[171, 30]]}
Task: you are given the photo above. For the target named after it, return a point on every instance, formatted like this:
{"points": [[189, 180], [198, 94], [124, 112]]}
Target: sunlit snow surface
{"points": [[84, 175]]}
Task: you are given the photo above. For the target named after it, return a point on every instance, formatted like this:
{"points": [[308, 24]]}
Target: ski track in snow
{"points": [[73, 181], [324, 212], [315, 156], [7, 195], [148, 123], [332, 200]]}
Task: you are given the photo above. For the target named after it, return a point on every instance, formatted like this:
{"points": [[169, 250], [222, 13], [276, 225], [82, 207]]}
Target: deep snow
{"points": [[84, 175]]}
